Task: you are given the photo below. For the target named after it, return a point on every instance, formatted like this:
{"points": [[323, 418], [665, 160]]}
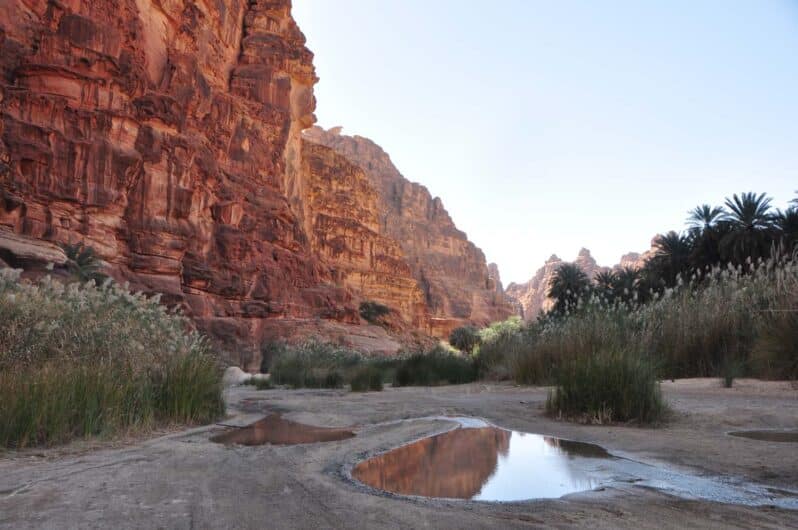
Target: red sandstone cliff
{"points": [[166, 135], [458, 287], [341, 215]]}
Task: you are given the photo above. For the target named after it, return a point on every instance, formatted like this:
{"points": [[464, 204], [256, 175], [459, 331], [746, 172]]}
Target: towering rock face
{"points": [[532, 296], [341, 216], [450, 270], [495, 277], [167, 136]]}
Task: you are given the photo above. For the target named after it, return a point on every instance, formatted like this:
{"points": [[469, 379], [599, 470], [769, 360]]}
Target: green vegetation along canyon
{"points": [[215, 313]]}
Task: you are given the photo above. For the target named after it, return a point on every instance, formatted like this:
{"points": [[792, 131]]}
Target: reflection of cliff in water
{"points": [[275, 430], [455, 464]]}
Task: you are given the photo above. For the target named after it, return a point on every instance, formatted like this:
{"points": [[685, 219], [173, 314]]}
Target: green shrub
{"points": [[373, 311], [434, 368], [259, 384], [465, 338], [55, 404], [607, 387], [501, 344], [313, 364], [270, 350], [730, 369], [367, 377], [190, 389], [81, 360], [82, 263]]}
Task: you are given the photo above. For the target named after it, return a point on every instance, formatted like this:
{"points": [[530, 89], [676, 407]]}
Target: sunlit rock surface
{"points": [[342, 217], [451, 271]]}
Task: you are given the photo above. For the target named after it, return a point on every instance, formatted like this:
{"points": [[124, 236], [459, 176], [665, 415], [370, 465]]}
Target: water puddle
{"points": [[487, 463], [766, 435], [484, 463], [275, 430]]}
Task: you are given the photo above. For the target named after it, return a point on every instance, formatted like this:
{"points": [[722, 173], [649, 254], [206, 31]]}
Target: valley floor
{"points": [[182, 480]]}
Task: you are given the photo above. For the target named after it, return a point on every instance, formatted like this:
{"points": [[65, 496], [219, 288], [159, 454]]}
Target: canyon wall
{"points": [[341, 216], [451, 271], [166, 135]]}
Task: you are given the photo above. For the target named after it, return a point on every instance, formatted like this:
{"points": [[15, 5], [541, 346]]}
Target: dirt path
{"points": [[183, 480]]}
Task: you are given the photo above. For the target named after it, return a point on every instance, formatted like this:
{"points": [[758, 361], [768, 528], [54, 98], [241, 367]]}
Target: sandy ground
{"points": [[182, 480]]}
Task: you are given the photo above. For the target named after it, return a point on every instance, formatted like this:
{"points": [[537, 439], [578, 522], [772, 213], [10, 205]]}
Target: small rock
{"points": [[235, 376]]}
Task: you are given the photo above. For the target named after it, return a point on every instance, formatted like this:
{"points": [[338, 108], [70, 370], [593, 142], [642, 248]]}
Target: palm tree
{"points": [[672, 257], [626, 284], [787, 224], [605, 285], [705, 251], [650, 282], [751, 223], [569, 284], [83, 263], [704, 217]]}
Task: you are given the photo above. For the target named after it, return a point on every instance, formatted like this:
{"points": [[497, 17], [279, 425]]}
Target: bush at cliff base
{"points": [[606, 387], [85, 360]]}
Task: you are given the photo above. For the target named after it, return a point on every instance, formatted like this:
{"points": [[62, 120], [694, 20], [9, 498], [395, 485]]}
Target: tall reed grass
{"points": [[605, 387], [316, 364], [84, 360], [727, 323], [703, 327], [435, 367]]}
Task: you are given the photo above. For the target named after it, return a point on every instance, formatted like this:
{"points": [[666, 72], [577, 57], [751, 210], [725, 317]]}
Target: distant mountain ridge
{"points": [[532, 296]]}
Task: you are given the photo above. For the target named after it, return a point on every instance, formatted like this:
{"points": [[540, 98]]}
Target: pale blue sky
{"points": [[546, 126]]}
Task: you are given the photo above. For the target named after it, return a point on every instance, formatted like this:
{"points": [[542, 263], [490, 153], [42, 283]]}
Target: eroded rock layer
{"points": [[451, 271], [341, 216], [168, 137], [165, 134]]}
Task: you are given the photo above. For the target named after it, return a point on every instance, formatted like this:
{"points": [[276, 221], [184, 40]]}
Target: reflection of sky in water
{"points": [[534, 467], [492, 464]]}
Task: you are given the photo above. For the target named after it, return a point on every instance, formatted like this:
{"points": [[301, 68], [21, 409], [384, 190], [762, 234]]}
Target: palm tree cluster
{"points": [[743, 232]]}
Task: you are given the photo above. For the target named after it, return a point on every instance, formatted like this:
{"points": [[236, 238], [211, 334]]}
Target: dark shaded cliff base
{"points": [[184, 480]]}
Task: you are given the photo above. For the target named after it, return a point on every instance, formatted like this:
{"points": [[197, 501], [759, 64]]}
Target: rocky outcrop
{"points": [[450, 270], [532, 296], [495, 277], [637, 260], [23, 251], [167, 136]]}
